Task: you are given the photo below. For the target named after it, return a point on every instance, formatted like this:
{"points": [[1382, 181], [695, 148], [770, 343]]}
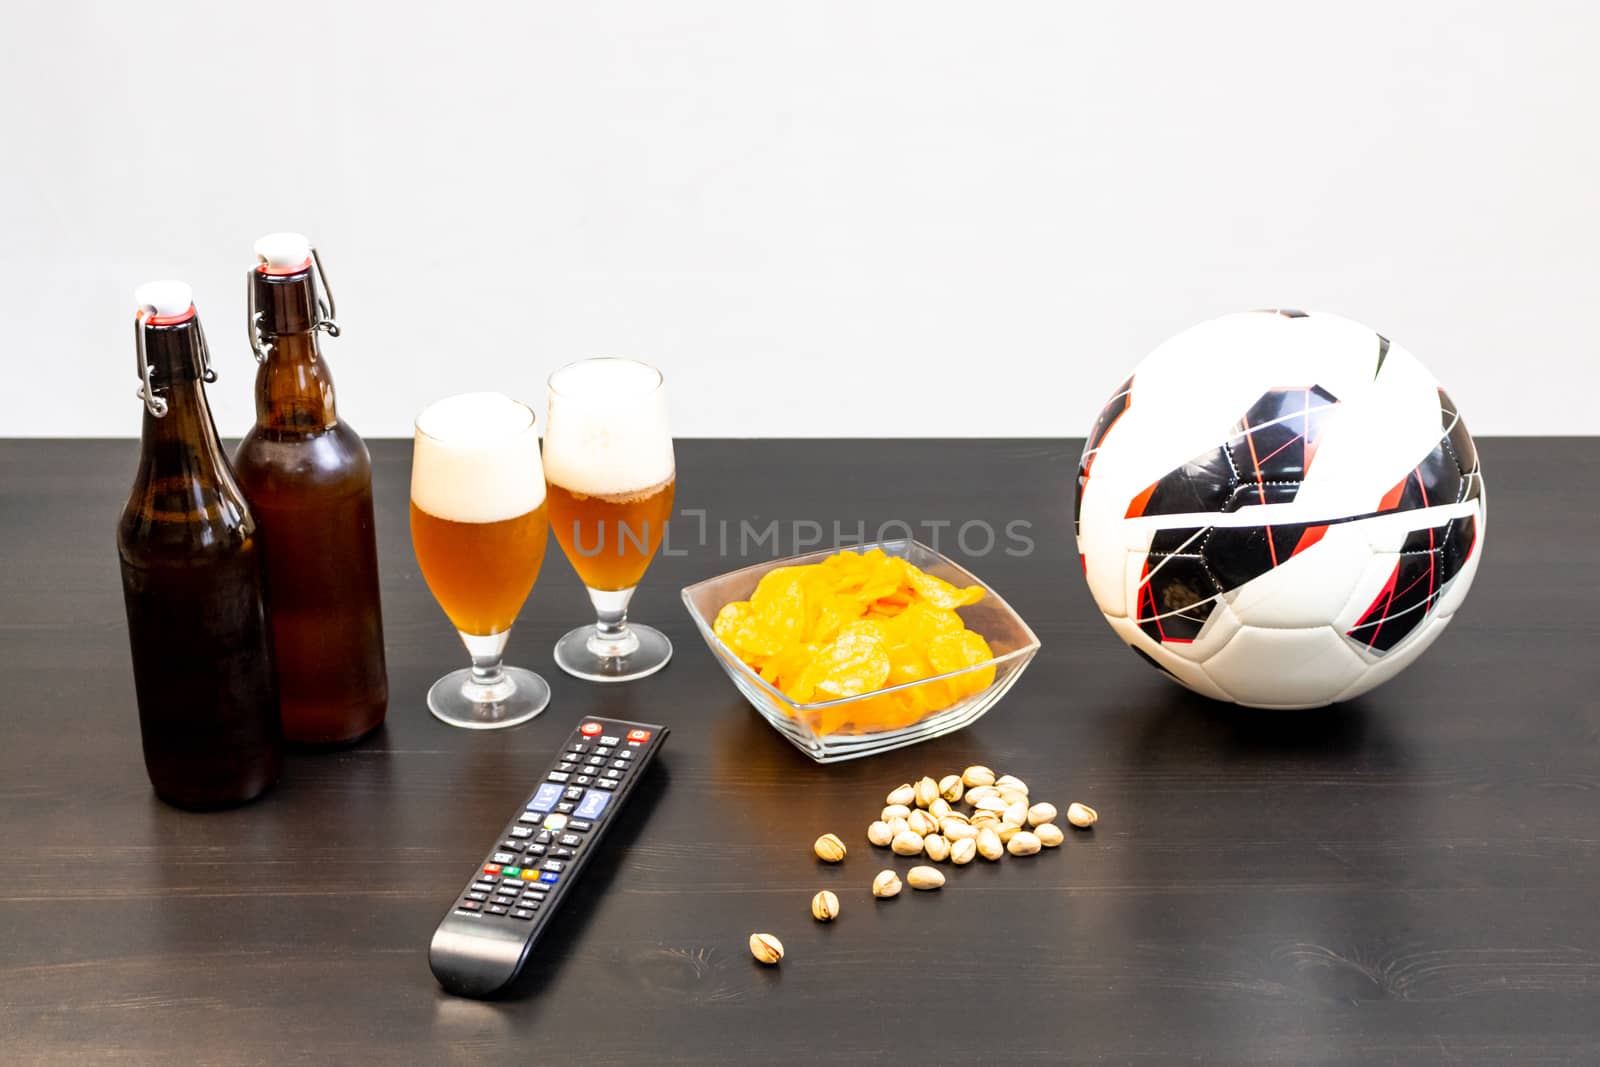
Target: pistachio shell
{"points": [[977, 775], [937, 848], [989, 846], [1023, 843], [766, 948], [1041, 813], [903, 793], [825, 907], [951, 787], [886, 884], [962, 851], [829, 848], [925, 878], [880, 834], [908, 843], [1049, 834], [1082, 815]]}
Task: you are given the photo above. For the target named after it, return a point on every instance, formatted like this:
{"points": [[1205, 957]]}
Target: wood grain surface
{"points": [[1408, 878]]}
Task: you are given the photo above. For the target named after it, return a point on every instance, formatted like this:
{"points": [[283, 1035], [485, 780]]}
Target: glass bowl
{"points": [[1009, 638]]}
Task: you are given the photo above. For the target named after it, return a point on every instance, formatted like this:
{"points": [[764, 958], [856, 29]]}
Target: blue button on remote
{"points": [[594, 802], [545, 798]]}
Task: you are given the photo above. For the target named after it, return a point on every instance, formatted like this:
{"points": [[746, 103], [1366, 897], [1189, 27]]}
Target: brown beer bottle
{"points": [[192, 581], [308, 477]]}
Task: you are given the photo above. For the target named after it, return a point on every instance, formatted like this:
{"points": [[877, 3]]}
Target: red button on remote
{"points": [[589, 729], [638, 735], [491, 868]]}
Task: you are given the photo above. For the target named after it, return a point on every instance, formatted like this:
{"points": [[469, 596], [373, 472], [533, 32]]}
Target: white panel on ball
{"points": [[1285, 668]]}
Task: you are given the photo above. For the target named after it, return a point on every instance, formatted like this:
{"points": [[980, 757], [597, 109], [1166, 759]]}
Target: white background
{"points": [[819, 219]]}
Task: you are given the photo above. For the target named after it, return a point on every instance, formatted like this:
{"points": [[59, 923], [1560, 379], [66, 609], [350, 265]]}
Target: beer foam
{"points": [[607, 434], [476, 459]]}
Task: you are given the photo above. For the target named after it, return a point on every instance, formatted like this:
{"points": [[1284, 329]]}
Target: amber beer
{"points": [[479, 527], [308, 477], [480, 572], [611, 537], [192, 582], [608, 459]]}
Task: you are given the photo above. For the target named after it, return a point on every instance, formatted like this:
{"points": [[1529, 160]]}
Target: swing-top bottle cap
{"points": [[165, 300], [283, 253]]}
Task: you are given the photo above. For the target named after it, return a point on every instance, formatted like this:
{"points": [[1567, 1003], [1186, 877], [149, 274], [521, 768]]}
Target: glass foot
{"points": [[456, 699], [583, 653]]}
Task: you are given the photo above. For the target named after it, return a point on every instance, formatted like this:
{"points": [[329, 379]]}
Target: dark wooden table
{"points": [[1409, 878]]}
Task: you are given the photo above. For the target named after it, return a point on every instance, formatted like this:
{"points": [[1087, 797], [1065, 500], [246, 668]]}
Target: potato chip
{"points": [[856, 623]]}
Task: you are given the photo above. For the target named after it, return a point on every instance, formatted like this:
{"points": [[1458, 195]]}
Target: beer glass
{"points": [[608, 461], [479, 528]]}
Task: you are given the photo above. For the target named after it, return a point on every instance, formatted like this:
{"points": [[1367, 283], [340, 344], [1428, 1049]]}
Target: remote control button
{"points": [[608, 740], [544, 838], [574, 792], [506, 872], [522, 831], [578, 747], [545, 798], [536, 890], [554, 865], [491, 868], [639, 735], [559, 776], [565, 807], [469, 905], [529, 874], [533, 817], [522, 913], [580, 780], [484, 885], [535, 850], [511, 844], [595, 760], [589, 729], [620, 765], [594, 804], [511, 885], [571, 840], [477, 895], [566, 767], [496, 909], [555, 822], [626, 753], [549, 878], [606, 783], [580, 825], [563, 854], [504, 857], [602, 752], [612, 774]]}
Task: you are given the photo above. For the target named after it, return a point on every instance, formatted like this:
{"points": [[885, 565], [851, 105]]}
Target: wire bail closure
{"points": [[156, 405], [261, 342]]}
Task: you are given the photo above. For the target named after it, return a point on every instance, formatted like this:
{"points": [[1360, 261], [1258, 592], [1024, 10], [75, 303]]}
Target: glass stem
{"points": [[489, 683], [612, 638]]}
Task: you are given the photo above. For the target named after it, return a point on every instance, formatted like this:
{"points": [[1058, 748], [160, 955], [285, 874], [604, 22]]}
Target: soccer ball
{"points": [[1279, 509]]}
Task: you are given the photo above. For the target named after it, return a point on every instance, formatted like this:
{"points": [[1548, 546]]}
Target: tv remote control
{"points": [[484, 940]]}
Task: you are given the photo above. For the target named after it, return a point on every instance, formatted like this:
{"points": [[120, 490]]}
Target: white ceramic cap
{"points": [[283, 249], [164, 298]]}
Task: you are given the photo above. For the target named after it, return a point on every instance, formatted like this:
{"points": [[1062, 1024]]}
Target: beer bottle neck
{"points": [[294, 389], [181, 459]]}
